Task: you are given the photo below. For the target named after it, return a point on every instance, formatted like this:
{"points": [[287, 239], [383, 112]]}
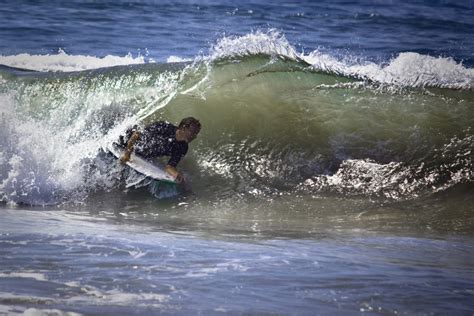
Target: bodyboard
{"points": [[143, 166]]}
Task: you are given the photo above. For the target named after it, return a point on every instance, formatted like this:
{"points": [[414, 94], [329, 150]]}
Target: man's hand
{"points": [[125, 157], [178, 177], [129, 148]]}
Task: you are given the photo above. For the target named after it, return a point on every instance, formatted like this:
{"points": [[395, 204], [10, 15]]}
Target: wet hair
{"points": [[190, 122]]}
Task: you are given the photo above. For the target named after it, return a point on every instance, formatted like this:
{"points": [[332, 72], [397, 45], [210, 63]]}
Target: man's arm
{"points": [[174, 173], [128, 150], [177, 154]]}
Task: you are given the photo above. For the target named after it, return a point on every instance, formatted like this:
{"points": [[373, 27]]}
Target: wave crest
{"points": [[408, 69], [63, 62]]}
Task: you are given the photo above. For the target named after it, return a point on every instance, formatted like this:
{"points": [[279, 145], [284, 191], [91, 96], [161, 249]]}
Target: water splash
{"points": [[408, 69]]}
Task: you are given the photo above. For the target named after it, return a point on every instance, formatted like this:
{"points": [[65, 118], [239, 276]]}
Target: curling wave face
{"points": [[275, 122]]}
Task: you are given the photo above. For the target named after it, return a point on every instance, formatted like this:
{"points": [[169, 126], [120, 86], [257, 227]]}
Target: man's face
{"points": [[190, 133]]}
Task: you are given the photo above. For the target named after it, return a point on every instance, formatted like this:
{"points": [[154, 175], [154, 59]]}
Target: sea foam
{"points": [[407, 69], [65, 62]]}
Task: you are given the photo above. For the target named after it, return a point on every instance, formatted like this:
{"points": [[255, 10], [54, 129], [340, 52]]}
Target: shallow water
{"points": [[135, 254], [108, 263]]}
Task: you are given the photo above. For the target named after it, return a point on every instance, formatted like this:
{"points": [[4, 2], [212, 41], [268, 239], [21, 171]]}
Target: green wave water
{"points": [[272, 125]]}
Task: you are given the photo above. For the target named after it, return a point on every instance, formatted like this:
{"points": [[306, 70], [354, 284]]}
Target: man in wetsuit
{"points": [[162, 139]]}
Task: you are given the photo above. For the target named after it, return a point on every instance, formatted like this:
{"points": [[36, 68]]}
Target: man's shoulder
{"points": [[158, 124], [162, 124], [162, 128]]}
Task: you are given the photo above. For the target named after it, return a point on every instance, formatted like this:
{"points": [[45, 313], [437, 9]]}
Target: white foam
{"points": [[117, 297], [177, 59], [231, 265], [254, 43], [42, 166], [396, 180], [121, 298], [65, 62], [48, 312], [8, 310], [25, 274], [27, 160], [408, 69]]}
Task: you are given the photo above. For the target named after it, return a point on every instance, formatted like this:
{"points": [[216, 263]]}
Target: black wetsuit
{"points": [[156, 140]]}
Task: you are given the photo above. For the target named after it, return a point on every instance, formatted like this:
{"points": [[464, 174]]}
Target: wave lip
{"points": [[408, 69], [415, 70], [254, 43]]}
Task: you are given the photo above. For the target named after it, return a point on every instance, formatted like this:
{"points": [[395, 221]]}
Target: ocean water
{"points": [[333, 173]]}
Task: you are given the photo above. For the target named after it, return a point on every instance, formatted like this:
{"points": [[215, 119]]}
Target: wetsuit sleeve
{"points": [[123, 139], [176, 155]]}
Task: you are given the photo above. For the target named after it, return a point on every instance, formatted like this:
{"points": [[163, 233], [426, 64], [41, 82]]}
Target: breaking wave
{"points": [[274, 120]]}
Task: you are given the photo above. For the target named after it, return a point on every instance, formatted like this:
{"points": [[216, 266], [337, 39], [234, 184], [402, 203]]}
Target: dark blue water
{"points": [[374, 30]]}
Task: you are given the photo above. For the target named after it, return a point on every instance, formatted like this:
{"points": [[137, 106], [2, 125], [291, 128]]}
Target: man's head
{"points": [[188, 128]]}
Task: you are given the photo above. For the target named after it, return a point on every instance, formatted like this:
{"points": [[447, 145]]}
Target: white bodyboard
{"points": [[142, 165]]}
